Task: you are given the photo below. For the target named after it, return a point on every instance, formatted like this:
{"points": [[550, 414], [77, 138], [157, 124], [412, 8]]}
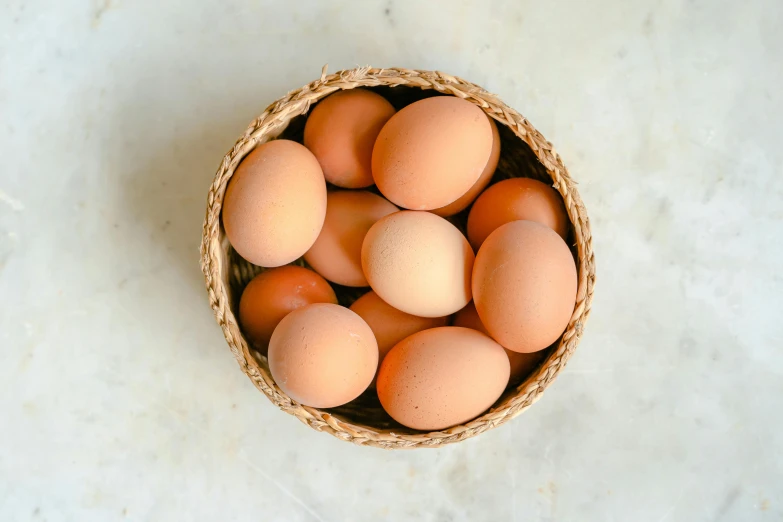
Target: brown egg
{"points": [[524, 285], [341, 132], [512, 200], [442, 377], [323, 355], [418, 263], [521, 363], [273, 294], [486, 176], [275, 203], [390, 325], [337, 253], [431, 152]]}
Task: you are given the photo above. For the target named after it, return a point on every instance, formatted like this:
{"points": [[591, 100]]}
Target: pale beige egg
{"points": [[418, 263]]}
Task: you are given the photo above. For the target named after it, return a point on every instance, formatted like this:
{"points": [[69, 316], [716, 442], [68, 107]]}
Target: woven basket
{"points": [[524, 153]]}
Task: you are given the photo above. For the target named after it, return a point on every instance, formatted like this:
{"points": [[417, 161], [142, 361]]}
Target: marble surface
{"points": [[120, 400]]}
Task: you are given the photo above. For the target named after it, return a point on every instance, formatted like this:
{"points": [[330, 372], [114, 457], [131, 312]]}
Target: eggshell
{"points": [[418, 263], [390, 325], [524, 285], [512, 200], [337, 253], [521, 363], [341, 131], [275, 203], [441, 377], [486, 176], [273, 294], [323, 355], [431, 152]]}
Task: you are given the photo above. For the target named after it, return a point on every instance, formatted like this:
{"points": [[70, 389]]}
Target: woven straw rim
{"points": [[271, 123]]}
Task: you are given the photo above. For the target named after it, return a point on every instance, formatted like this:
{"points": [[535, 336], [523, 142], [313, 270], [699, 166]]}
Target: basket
{"points": [[524, 152]]}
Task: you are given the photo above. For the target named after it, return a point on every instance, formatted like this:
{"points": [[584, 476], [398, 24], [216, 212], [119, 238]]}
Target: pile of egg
{"points": [[447, 320]]}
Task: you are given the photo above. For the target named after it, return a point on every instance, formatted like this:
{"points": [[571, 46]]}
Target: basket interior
{"points": [[516, 160]]}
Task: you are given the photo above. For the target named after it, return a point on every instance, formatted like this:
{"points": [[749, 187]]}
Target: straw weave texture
{"points": [[524, 153]]}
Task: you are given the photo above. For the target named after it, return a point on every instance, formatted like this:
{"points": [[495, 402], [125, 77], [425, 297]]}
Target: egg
{"points": [[486, 176], [275, 203], [418, 263], [390, 325], [273, 294], [323, 355], [442, 377], [512, 200], [337, 253], [341, 131], [524, 285], [521, 363], [431, 152]]}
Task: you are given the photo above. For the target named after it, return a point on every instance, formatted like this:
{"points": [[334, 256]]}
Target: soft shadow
{"points": [[164, 189]]}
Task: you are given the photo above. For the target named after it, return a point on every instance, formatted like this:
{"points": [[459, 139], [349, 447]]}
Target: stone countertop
{"points": [[120, 400]]}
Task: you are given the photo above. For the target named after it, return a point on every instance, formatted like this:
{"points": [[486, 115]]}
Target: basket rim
{"points": [[269, 125]]}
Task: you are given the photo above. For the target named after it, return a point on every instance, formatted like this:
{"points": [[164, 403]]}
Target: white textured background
{"points": [[118, 397]]}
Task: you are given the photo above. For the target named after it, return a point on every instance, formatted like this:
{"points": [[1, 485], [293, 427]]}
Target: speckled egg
{"points": [[524, 285], [275, 203], [323, 355], [442, 377], [431, 152], [418, 263]]}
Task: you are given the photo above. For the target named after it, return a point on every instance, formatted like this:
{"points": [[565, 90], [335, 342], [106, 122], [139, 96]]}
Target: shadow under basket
{"points": [[524, 153]]}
